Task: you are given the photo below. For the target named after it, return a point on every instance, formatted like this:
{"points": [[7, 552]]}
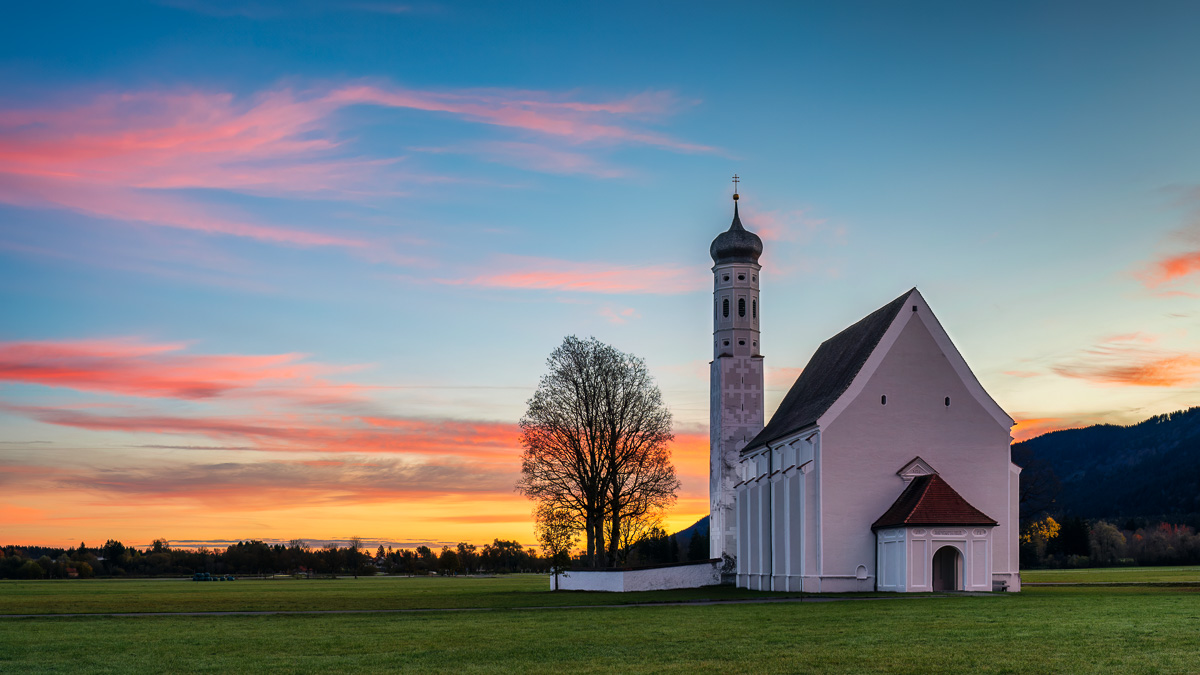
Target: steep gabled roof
{"points": [[828, 374], [929, 500]]}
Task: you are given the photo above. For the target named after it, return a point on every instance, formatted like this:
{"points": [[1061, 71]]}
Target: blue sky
{"points": [[336, 241]]}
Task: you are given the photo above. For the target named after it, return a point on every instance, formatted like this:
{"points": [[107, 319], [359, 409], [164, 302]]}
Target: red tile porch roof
{"points": [[929, 500]]}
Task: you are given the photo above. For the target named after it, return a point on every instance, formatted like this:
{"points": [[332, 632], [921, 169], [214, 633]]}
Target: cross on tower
{"points": [[735, 182]]}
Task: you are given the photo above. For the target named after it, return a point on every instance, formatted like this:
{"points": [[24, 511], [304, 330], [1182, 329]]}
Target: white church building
{"points": [[886, 466]]}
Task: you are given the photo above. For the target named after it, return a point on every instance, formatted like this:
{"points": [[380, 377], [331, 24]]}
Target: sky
{"points": [[276, 270]]}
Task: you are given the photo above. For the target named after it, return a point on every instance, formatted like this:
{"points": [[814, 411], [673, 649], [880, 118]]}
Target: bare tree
{"points": [[556, 532], [596, 437]]}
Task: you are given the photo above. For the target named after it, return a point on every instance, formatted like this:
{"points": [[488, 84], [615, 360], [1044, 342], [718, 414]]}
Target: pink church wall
{"points": [[868, 442]]}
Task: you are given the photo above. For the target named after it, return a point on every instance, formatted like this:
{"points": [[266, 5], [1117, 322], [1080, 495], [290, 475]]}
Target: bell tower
{"points": [[736, 404]]}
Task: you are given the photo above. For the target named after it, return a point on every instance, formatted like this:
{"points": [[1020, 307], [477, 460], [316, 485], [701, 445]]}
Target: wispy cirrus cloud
{"points": [[135, 367], [126, 155], [790, 225], [534, 157], [1130, 359], [300, 432], [1173, 268], [619, 315], [546, 274], [1170, 268], [265, 484]]}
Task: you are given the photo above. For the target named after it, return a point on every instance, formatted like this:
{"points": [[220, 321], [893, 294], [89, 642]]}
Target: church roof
{"points": [[929, 500], [737, 244], [828, 374]]}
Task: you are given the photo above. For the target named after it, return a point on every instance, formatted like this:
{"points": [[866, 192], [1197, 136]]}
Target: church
{"points": [[886, 466]]}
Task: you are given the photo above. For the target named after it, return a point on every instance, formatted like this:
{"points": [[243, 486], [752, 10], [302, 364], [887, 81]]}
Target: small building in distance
{"points": [[886, 467]]}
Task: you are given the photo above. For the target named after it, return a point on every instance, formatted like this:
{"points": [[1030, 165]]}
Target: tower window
{"points": [[725, 278], [741, 277], [727, 343], [725, 307], [741, 307], [947, 401], [742, 343], [883, 400], [754, 278], [754, 309]]}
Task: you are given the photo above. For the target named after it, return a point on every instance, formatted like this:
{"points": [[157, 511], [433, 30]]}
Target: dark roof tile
{"points": [[828, 374]]}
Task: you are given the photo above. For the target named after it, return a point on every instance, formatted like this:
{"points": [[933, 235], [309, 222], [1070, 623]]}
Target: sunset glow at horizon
{"points": [[280, 271]]}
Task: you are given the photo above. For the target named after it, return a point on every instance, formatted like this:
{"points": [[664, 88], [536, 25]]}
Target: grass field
{"points": [[177, 595], [1114, 575], [1050, 629]]}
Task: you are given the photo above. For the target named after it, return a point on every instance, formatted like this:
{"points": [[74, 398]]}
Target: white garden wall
{"points": [[659, 578]]}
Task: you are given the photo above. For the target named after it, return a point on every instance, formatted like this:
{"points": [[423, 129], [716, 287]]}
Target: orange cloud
{"points": [[1125, 360], [306, 433], [582, 277], [138, 368], [1170, 268], [1028, 428]]}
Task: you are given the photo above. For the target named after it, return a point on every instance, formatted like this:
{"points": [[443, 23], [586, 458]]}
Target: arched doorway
{"points": [[947, 569]]}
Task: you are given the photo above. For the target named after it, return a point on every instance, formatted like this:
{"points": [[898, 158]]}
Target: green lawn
{"points": [[1115, 575], [1136, 629], [1067, 629], [177, 595]]}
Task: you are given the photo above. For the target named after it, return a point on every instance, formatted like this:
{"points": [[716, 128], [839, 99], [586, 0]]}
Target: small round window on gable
{"points": [[725, 307], [741, 307], [883, 400]]}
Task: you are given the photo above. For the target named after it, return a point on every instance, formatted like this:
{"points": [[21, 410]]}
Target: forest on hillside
{"points": [[1109, 494]]}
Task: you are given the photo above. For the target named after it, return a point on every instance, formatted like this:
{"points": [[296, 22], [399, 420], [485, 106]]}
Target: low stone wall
{"points": [[653, 578]]}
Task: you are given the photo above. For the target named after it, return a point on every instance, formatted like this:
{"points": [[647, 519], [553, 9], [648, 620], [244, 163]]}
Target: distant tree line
{"points": [[297, 557], [1076, 542]]}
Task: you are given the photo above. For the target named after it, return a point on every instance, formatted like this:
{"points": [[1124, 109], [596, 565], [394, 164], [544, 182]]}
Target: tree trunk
{"points": [[614, 541]]}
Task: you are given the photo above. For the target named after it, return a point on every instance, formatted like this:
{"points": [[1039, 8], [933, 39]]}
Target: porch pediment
{"points": [[916, 467]]}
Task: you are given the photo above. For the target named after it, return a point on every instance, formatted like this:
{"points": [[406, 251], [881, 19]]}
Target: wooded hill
{"points": [[1149, 470]]}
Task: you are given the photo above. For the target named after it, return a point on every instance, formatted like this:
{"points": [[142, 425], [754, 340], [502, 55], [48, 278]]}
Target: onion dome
{"points": [[737, 244]]}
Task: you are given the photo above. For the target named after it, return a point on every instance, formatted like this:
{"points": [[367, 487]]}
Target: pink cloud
{"points": [[534, 157], [137, 368], [581, 277], [619, 315], [793, 225], [310, 432], [540, 112], [782, 378], [115, 155]]}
